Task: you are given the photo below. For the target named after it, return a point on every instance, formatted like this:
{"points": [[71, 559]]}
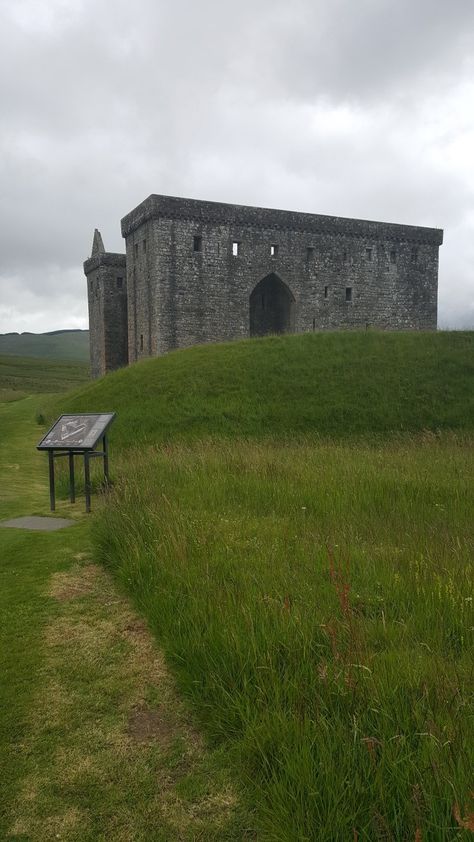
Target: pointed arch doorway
{"points": [[272, 307]]}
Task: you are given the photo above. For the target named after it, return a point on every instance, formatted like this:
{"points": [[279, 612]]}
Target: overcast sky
{"points": [[358, 108]]}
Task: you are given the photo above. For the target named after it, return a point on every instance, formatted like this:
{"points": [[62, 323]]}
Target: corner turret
{"points": [[106, 274]]}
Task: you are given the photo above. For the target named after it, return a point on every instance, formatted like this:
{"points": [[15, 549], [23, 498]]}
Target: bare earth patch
{"points": [[74, 583], [111, 740], [145, 724]]}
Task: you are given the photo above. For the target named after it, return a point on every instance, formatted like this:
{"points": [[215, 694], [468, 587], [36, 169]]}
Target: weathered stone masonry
{"points": [[198, 272]]}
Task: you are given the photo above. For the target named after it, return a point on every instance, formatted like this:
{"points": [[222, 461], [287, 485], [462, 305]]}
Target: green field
{"points": [[58, 345], [296, 527], [20, 377]]}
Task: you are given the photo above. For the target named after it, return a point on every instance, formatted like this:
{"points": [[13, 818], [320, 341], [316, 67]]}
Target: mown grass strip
{"points": [[27, 562], [112, 753]]}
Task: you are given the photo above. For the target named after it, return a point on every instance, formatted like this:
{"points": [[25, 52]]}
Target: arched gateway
{"points": [[272, 307]]}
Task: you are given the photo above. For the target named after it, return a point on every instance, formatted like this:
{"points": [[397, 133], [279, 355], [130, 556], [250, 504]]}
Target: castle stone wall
{"points": [[197, 272], [337, 273]]}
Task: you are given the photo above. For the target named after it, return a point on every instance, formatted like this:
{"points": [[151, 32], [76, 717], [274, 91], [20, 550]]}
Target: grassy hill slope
{"points": [[57, 345], [334, 384]]}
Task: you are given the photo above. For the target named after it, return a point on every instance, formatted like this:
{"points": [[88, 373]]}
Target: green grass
{"points": [[58, 345], [79, 671], [334, 384], [315, 601], [20, 377], [296, 525]]}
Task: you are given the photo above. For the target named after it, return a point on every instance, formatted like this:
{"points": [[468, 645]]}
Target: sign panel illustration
{"points": [[76, 432]]}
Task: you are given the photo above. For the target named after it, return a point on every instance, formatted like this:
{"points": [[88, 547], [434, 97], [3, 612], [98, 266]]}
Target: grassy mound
{"points": [[336, 384]]}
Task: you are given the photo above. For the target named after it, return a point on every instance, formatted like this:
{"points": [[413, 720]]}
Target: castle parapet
{"points": [[220, 213]]}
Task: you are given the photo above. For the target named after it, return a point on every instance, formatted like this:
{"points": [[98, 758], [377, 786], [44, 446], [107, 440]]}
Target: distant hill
{"points": [[55, 345]]}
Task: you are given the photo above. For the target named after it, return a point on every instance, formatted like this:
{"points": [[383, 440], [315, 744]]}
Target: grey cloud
{"points": [[333, 107]]}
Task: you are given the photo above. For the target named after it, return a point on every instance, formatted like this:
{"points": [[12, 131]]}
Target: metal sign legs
{"points": [[88, 455]]}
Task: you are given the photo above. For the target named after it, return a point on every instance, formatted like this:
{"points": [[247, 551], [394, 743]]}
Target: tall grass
{"points": [[315, 600]]}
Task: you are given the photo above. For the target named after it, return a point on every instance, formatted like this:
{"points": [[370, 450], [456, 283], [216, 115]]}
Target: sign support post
{"points": [[72, 490], [106, 458], [52, 499]]}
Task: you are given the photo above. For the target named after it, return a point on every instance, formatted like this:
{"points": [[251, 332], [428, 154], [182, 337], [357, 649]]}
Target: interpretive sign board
{"points": [[80, 432], [74, 435]]}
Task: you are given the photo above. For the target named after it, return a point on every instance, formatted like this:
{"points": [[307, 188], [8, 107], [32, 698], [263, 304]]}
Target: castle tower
{"points": [[106, 274]]}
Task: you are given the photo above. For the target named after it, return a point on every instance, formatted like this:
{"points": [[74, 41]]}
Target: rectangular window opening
{"points": [[348, 293], [314, 324], [393, 256], [309, 253], [119, 283], [144, 246], [368, 254], [135, 248], [141, 342], [197, 243], [326, 290], [236, 248], [273, 250]]}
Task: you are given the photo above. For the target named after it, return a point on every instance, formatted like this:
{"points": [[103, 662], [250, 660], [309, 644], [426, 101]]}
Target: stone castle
{"points": [[196, 272]]}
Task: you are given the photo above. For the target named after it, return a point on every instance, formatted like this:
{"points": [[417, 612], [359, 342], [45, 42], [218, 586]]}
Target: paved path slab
{"points": [[46, 524]]}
